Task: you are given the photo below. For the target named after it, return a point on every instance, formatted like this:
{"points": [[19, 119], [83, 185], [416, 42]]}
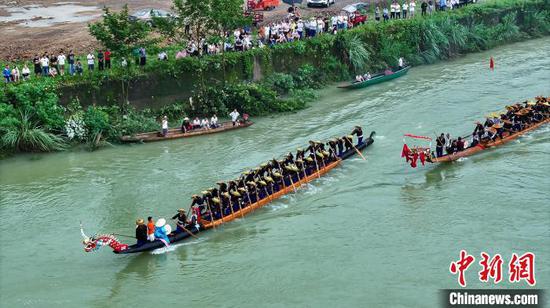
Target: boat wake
{"points": [[163, 250]]}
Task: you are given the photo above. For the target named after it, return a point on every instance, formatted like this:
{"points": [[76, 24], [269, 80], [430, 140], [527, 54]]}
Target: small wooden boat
{"points": [[94, 243], [176, 133], [480, 147], [378, 78]]}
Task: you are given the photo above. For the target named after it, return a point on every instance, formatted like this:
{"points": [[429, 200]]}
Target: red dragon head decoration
{"points": [[97, 241]]}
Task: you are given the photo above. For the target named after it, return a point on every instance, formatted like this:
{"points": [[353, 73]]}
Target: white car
{"points": [[325, 3]]}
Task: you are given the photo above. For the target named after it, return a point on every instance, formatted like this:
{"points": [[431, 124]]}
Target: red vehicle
{"points": [[358, 18], [262, 5]]}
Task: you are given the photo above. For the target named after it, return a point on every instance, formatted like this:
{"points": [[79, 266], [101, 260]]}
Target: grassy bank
{"points": [[32, 118]]}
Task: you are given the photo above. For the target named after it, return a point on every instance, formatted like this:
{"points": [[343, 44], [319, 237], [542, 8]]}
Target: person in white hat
{"points": [[162, 230]]}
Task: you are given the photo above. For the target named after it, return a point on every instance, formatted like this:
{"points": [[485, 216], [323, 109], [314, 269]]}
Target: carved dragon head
{"points": [[95, 242]]}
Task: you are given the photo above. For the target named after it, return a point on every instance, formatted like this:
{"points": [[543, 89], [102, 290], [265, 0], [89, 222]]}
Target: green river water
{"points": [[372, 233]]}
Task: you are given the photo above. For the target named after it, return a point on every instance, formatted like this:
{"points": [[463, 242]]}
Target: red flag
{"points": [[492, 64], [414, 159], [405, 151], [422, 158]]}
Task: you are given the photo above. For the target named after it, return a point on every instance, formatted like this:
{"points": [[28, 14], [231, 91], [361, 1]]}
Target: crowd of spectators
{"points": [[293, 27]]}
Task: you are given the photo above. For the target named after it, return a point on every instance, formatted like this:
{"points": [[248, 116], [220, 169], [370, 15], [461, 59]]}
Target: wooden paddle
{"points": [[123, 235], [358, 152], [211, 213], [189, 232]]}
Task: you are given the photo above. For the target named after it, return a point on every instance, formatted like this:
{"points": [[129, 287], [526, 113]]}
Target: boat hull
{"points": [[478, 148], [376, 79], [175, 133]]}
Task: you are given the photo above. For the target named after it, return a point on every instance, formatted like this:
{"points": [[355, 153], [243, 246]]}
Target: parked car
{"points": [[321, 3], [352, 8], [146, 15]]}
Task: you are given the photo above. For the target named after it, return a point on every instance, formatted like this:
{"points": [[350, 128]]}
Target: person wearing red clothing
{"points": [[107, 55], [150, 229]]}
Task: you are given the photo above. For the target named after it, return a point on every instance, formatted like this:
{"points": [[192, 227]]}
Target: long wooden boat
{"points": [[176, 133], [376, 79], [480, 147], [289, 186]]}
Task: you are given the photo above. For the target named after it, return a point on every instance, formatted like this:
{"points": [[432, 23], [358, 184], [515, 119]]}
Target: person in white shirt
{"points": [[26, 72], [392, 11], [234, 116], [214, 121], [61, 63], [91, 61], [405, 8], [45, 63], [196, 123], [205, 124], [397, 10], [15, 74], [401, 62], [412, 6], [164, 126]]}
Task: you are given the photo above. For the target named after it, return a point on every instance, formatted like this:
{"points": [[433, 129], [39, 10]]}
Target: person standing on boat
{"points": [[164, 126], [150, 229], [440, 142], [234, 116], [181, 220], [479, 130], [401, 63], [357, 130], [141, 232]]}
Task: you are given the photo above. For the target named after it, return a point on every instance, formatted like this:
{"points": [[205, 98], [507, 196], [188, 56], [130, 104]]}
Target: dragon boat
{"points": [[376, 79], [481, 147], [534, 115], [176, 133], [285, 186]]}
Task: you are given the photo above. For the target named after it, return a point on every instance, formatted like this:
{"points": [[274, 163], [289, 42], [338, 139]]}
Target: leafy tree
{"points": [[118, 33], [197, 19]]}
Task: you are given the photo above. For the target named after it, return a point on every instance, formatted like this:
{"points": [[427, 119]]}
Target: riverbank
{"points": [[286, 75]]}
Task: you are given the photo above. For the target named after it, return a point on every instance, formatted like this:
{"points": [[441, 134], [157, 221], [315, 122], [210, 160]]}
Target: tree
{"points": [[118, 33], [197, 19]]}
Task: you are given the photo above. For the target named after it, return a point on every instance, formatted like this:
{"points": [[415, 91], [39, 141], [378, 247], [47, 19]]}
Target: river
{"points": [[370, 233]]}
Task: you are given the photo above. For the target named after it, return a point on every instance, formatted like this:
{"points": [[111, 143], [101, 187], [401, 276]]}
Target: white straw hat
{"points": [[161, 222]]}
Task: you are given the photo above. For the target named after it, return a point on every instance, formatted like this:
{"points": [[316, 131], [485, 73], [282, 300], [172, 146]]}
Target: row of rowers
{"points": [[517, 118], [267, 179]]}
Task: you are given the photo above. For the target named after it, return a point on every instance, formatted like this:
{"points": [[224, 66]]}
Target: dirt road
{"points": [[30, 27]]}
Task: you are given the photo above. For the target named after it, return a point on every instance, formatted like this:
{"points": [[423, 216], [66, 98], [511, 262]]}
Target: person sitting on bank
{"points": [[164, 126], [150, 229], [141, 232], [181, 220]]}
